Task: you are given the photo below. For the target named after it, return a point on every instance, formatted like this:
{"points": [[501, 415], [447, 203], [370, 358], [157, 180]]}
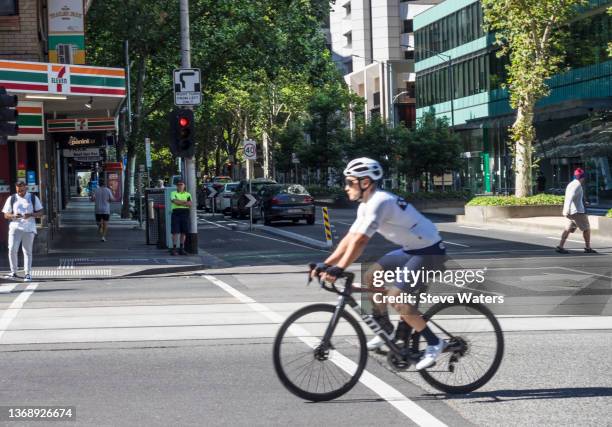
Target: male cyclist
{"points": [[400, 223]]}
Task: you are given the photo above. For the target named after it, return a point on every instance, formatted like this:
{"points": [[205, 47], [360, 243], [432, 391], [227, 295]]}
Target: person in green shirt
{"points": [[181, 203]]}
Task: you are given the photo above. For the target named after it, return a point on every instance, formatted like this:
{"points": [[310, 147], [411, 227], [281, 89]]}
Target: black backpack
{"points": [[32, 201]]}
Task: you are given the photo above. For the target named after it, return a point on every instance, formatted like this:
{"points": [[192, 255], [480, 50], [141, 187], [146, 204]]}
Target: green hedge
{"points": [[435, 195], [325, 192], [538, 200], [339, 193], [609, 215]]}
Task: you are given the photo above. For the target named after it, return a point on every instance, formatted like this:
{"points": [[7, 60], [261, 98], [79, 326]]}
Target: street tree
{"points": [[531, 33]]}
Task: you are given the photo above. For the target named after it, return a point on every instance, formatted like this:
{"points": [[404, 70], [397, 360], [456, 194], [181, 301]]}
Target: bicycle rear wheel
{"points": [[475, 351], [314, 370]]}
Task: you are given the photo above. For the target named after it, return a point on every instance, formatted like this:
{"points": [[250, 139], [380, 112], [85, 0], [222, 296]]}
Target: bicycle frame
{"points": [[345, 298]]}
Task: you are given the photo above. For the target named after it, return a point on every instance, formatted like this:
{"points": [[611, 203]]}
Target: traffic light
{"points": [[182, 133], [8, 114]]}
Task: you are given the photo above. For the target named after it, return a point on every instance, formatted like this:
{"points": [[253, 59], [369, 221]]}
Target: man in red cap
{"points": [[574, 211]]}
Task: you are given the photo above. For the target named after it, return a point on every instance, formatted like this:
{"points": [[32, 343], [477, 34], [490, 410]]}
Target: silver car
{"points": [[224, 198]]}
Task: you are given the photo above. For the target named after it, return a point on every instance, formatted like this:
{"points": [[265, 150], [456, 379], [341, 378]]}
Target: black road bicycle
{"points": [[320, 350]]}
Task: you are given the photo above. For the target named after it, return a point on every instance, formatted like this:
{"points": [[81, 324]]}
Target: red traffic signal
{"points": [[183, 122]]}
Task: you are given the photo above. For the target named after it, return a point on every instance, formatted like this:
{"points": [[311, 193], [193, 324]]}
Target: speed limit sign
{"points": [[250, 150]]}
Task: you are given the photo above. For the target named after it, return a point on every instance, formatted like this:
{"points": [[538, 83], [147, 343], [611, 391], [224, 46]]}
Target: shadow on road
{"points": [[526, 394]]}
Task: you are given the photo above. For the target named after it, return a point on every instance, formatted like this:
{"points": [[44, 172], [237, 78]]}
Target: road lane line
{"points": [[455, 244], [390, 394], [13, 309], [473, 228], [6, 289], [282, 241]]}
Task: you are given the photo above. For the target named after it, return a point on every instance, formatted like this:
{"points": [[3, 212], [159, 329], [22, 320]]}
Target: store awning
{"points": [[63, 90]]}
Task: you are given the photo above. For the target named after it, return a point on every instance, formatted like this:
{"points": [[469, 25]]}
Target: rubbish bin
{"points": [[153, 197]]}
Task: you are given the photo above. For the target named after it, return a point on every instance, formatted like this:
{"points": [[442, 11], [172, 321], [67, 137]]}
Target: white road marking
{"points": [[6, 289], [569, 240], [13, 309], [456, 244], [269, 238], [406, 406], [473, 228]]}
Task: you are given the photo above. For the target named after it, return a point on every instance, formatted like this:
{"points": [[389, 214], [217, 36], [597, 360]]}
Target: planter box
{"points": [[602, 224], [485, 213]]}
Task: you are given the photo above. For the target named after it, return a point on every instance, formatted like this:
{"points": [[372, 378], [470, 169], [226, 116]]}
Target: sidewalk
{"points": [[77, 252], [538, 225]]}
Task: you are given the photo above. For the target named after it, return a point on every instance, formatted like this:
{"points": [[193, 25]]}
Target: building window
{"points": [[349, 39], [408, 27], [8, 7], [409, 54]]}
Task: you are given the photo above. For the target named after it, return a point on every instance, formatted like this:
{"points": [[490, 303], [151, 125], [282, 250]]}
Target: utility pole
{"points": [[191, 245]]}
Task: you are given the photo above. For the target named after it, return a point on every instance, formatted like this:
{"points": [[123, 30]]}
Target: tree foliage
{"points": [[531, 33]]}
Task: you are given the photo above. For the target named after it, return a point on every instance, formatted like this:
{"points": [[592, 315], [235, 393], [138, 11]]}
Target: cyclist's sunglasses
{"points": [[348, 182]]}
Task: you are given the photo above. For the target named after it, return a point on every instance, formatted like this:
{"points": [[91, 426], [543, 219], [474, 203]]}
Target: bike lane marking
{"points": [[11, 312], [390, 394]]}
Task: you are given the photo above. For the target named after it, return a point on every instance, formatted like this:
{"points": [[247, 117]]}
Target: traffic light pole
{"points": [[191, 245]]}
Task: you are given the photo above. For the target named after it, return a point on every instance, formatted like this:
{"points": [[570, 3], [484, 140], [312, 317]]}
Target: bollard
{"points": [[327, 227]]}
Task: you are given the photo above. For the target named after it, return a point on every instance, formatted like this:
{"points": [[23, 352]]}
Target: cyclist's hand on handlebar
{"points": [[316, 270], [332, 274]]}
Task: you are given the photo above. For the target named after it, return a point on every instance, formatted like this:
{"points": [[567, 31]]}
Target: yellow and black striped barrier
{"points": [[327, 226]]}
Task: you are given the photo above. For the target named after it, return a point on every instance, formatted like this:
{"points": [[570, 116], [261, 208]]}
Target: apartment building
{"points": [[67, 110], [573, 124], [373, 44]]}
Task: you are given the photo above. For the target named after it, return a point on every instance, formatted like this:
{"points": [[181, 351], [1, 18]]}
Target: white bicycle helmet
{"points": [[363, 167]]}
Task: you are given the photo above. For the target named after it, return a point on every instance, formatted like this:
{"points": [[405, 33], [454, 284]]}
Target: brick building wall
{"points": [[20, 34]]}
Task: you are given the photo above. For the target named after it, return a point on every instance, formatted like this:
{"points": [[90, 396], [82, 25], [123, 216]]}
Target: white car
{"points": [[223, 199]]}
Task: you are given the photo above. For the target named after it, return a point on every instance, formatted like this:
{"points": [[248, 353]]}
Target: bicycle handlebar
{"points": [[331, 287]]}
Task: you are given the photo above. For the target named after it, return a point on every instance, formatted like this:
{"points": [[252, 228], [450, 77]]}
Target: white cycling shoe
{"points": [[431, 354], [377, 342]]}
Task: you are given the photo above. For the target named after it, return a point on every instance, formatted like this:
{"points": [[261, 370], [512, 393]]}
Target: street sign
{"points": [[250, 150], [148, 153], [212, 194], [294, 159], [251, 202], [187, 87]]}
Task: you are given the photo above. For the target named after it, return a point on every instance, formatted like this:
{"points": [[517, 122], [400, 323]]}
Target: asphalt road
{"points": [[195, 349]]}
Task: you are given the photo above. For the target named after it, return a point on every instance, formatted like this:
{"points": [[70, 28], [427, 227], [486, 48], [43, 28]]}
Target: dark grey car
{"points": [[284, 202]]}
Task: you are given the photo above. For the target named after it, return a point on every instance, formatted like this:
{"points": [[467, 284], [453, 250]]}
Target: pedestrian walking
{"points": [[103, 197], [574, 211], [21, 209], [179, 221]]}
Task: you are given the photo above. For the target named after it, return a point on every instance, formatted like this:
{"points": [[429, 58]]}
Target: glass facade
{"points": [[479, 73], [486, 159], [449, 32]]}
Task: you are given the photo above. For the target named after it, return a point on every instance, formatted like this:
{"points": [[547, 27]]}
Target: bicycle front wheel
{"points": [[475, 350], [312, 369]]}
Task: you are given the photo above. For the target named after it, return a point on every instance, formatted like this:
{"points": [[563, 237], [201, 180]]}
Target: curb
{"points": [[294, 236]]}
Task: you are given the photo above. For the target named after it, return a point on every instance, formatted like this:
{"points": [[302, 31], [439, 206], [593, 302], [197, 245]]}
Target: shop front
{"points": [[56, 102]]}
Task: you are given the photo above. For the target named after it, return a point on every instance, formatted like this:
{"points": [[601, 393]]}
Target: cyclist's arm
{"points": [[355, 245], [337, 254]]}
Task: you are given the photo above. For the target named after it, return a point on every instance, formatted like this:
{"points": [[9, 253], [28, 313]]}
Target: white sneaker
{"points": [[377, 342], [27, 278], [431, 354], [103, 239], [11, 276]]}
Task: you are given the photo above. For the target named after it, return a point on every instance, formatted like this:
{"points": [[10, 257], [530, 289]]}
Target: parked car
{"points": [[218, 183], [225, 197], [284, 202], [239, 199]]}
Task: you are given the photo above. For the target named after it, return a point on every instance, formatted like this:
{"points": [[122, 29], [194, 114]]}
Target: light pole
{"points": [[449, 60]]}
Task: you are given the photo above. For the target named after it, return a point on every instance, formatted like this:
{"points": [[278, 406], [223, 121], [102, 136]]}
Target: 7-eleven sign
{"points": [[81, 124], [59, 78]]}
